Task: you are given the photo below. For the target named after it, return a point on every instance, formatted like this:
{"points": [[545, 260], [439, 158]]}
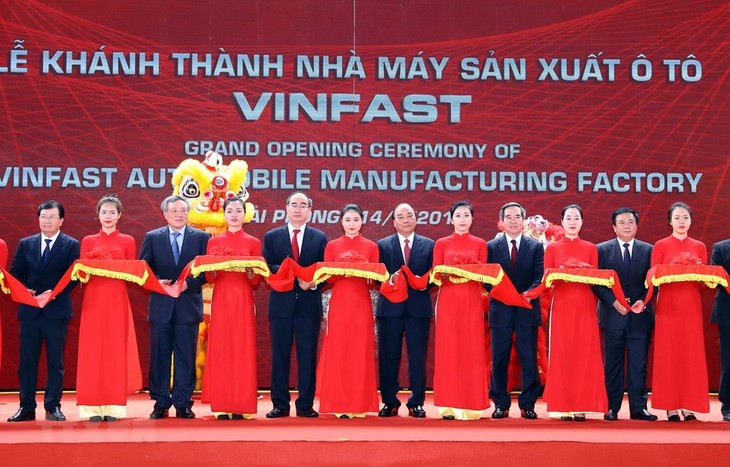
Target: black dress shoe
{"points": [[673, 417], [689, 417], [23, 415], [388, 411], [644, 415], [109, 418], [528, 414], [579, 417], [237, 416], [416, 412], [449, 417], [726, 417], [55, 415], [278, 413], [185, 412], [611, 416], [566, 418], [307, 413], [499, 412], [222, 416], [158, 413], [96, 418]]}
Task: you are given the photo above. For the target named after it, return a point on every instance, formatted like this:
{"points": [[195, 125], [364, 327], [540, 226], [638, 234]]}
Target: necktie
{"points": [[406, 249], [175, 247], [513, 255], [627, 257], [46, 251], [295, 245]]}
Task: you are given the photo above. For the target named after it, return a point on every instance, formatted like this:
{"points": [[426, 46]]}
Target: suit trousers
{"points": [[304, 334], [501, 343], [622, 348], [166, 340], [32, 335], [391, 331], [723, 392]]}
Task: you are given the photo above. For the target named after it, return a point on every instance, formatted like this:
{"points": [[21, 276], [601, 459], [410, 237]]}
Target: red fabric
{"points": [[659, 271], [229, 380], [679, 378], [417, 282], [575, 379], [346, 368], [396, 293], [460, 369], [108, 360]]}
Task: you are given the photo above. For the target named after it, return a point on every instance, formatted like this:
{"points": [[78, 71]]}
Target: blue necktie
{"points": [[627, 258], [46, 251], [175, 247]]}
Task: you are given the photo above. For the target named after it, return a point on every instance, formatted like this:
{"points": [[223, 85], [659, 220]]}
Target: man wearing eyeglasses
{"points": [[39, 263], [295, 315], [174, 321]]}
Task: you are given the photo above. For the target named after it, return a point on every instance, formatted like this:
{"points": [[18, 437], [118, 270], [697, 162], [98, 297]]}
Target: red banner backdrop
{"points": [[605, 103]]}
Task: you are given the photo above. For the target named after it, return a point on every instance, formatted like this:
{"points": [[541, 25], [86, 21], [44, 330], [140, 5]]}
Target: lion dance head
{"points": [[207, 185]]}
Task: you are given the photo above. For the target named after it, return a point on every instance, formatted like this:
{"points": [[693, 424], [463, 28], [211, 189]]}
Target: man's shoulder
{"points": [[607, 244], [643, 244], [424, 239], [67, 238], [157, 231], [314, 231], [386, 241], [722, 244], [197, 232], [30, 238]]}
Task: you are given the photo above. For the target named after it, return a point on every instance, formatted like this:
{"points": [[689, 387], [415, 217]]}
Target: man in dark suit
{"points": [[294, 316], [39, 263], [721, 316], [521, 259], [174, 321], [626, 332], [411, 318]]}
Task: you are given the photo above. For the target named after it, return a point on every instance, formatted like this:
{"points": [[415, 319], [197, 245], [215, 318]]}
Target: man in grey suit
{"points": [[721, 316], [626, 332], [174, 321]]}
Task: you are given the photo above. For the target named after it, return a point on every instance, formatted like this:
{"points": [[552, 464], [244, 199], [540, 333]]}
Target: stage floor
{"points": [[145, 437]]}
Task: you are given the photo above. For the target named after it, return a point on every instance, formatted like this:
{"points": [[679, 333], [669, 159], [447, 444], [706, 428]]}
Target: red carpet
{"points": [[371, 441]]}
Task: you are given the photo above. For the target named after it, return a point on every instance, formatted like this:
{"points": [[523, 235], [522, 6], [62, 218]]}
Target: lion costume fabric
{"points": [[207, 185]]}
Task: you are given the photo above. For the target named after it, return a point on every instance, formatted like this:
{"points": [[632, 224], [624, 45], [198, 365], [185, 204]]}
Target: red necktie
{"points": [[513, 256], [295, 245], [406, 249]]}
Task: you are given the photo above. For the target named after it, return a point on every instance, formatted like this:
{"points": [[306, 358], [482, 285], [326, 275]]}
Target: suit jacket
{"points": [[277, 247], [420, 261], [526, 274], [610, 256], [157, 251], [29, 270], [721, 307]]}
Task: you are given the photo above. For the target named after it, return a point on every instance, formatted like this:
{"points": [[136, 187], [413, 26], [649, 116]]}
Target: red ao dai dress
{"points": [[460, 380], [346, 369], [229, 380], [679, 379], [108, 366]]}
